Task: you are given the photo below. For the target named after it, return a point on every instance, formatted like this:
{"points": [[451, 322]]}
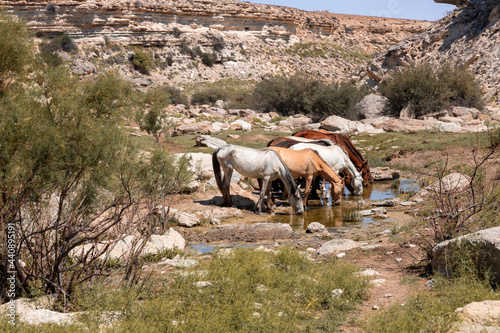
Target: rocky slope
{"points": [[248, 40], [468, 37]]}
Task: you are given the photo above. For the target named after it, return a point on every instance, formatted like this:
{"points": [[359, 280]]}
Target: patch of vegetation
{"points": [[302, 94], [326, 50], [425, 90], [176, 32], [234, 93], [142, 61], [251, 290], [432, 311]]}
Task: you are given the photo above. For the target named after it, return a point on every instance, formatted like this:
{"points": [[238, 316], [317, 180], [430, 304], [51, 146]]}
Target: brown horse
{"points": [[307, 163], [343, 141]]}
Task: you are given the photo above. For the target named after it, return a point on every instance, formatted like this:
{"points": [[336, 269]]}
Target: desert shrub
{"points": [[176, 32], [177, 96], [62, 43], [302, 94], [337, 99], [286, 95], [234, 93], [207, 59], [462, 87], [142, 61], [425, 90]]}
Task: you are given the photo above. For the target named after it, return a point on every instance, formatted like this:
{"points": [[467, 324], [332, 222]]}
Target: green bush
{"points": [[302, 94], [142, 61], [425, 90], [62, 43], [176, 32], [207, 59], [16, 46]]}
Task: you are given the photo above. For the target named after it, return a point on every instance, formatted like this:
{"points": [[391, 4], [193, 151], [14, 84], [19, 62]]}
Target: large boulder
{"points": [[241, 125], [454, 182], [296, 122], [34, 312], [185, 219], [203, 127], [479, 317], [208, 141], [486, 241], [372, 106]]}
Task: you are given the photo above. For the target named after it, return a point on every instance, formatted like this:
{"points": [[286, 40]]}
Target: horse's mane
{"points": [[287, 175]]}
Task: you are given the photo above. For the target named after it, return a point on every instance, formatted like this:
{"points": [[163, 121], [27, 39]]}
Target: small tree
{"points": [[142, 61]]}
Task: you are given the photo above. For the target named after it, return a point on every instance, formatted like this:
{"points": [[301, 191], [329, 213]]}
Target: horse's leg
{"points": [[307, 189], [269, 198], [265, 182], [228, 172]]}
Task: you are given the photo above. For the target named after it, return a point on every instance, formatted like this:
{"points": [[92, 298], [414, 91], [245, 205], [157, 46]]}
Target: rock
{"points": [[372, 106], [203, 127], [298, 122], [369, 272], [241, 125], [83, 67], [220, 213], [315, 227], [185, 219], [384, 173], [208, 141], [387, 202], [479, 317], [455, 182], [339, 124], [233, 136], [251, 233], [178, 262], [170, 240], [368, 212], [33, 312], [336, 245], [243, 113], [488, 243], [199, 161]]}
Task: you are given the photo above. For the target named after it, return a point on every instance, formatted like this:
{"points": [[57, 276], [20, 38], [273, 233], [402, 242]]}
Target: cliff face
{"points": [[247, 40], [468, 37]]}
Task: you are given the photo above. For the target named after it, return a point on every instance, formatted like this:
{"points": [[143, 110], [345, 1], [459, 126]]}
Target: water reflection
{"points": [[334, 216]]}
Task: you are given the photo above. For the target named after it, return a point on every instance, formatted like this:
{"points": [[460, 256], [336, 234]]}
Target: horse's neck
{"points": [[350, 166], [326, 172], [285, 176]]}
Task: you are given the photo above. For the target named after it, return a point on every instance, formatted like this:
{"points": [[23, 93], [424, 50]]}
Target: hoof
{"points": [[260, 213]]}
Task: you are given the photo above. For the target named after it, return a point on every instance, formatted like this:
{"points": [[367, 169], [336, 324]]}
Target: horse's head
{"points": [[357, 185], [295, 200], [336, 192]]}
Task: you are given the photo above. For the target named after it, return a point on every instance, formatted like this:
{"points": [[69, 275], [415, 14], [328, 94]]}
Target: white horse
{"points": [[254, 163], [338, 161]]}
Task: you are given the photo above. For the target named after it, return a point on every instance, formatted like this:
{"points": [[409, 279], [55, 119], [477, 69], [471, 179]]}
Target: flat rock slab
{"points": [[251, 233], [384, 173], [337, 245]]}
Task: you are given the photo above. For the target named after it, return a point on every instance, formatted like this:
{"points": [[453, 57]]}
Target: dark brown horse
{"points": [[343, 141], [287, 142]]}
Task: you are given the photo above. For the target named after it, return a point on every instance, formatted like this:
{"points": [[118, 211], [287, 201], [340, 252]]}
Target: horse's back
{"points": [[250, 162]]}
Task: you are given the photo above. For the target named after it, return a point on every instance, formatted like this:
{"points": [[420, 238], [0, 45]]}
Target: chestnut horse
{"points": [[263, 164], [344, 142], [308, 164]]}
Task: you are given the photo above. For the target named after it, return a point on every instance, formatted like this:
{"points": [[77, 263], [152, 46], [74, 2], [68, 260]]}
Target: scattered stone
{"points": [[369, 247], [185, 219], [369, 272], [234, 136], [372, 106], [340, 255], [373, 211], [399, 259], [376, 307], [378, 282], [387, 296], [315, 227], [431, 283], [337, 245], [336, 293]]}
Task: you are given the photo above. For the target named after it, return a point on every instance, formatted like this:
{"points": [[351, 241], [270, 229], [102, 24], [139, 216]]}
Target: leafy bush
{"points": [[176, 32], [425, 90], [301, 94], [142, 61], [62, 43]]}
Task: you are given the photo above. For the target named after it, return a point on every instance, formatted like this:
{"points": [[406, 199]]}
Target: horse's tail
{"points": [[217, 172]]}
